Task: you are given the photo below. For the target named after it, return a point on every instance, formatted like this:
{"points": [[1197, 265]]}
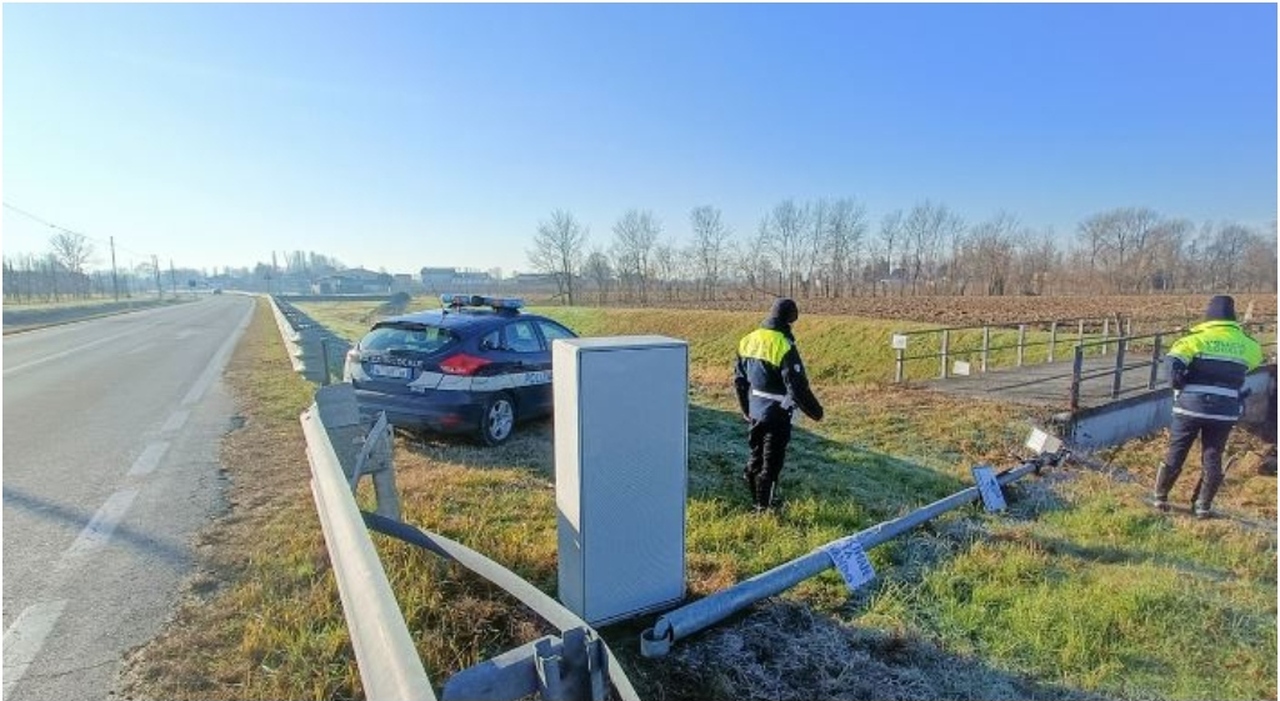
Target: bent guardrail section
{"points": [[689, 619], [575, 666], [389, 665]]}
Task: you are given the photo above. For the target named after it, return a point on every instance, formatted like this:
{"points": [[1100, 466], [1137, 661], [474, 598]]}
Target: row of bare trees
{"points": [[831, 248]]}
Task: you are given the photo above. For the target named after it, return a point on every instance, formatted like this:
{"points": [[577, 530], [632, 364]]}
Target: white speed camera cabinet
{"points": [[621, 448]]}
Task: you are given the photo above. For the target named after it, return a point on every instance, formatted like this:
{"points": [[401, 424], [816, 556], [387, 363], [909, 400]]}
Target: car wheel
{"points": [[498, 419]]}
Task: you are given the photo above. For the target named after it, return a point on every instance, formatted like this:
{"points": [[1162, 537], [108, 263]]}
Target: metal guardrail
{"points": [[687, 620], [389, 665], [575, 666]]}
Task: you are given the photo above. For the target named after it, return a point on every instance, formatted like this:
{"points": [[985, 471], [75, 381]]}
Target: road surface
{"points": [[111, 435]]}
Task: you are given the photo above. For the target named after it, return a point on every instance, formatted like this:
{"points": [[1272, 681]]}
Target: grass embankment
{"points": [[1078, 591]]}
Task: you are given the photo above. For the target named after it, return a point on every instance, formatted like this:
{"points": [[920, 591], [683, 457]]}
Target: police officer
{"points": [[771, 384], [1207, 369]]}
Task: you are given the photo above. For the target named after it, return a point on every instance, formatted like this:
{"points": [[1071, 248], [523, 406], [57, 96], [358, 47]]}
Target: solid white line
{"points": [[175, 422], [217, 362], [25, 638], [100, 528], [69, 351], [149, 460]]}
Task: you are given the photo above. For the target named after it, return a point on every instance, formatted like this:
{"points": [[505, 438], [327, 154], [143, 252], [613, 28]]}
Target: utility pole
{"points": [[155, 266], [115, 281], [173, 280]]}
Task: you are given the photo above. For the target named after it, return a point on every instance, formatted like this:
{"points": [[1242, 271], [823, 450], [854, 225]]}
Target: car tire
{"points": [[498, 420]]}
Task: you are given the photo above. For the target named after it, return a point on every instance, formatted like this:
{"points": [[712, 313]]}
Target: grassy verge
{"points": [[1078, 592]]}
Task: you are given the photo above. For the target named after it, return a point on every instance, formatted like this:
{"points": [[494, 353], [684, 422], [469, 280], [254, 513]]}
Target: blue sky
{"points": [[399, 136]]}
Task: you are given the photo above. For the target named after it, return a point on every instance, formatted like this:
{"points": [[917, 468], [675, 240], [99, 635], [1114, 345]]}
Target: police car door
{"points": [[532, 372]]}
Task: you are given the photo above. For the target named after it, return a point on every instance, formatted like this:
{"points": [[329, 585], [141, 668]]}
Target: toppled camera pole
{"points": [[847, 554]]}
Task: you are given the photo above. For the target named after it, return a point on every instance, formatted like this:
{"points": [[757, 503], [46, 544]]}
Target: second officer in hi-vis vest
{"points": [[771, 384]]}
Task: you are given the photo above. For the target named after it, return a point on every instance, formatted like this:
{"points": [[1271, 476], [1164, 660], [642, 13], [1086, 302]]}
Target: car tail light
{"points": [[462, 364]]}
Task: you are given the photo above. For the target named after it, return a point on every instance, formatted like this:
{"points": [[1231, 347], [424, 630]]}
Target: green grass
{"points": [[1078, 591]]}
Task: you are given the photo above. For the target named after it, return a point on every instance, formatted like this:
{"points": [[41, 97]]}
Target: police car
{"points": [[477, 365]]}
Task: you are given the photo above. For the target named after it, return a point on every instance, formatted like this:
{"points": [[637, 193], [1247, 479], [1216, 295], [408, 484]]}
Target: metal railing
{"points": [[575, 666], [389, 665], [1105, 329]]}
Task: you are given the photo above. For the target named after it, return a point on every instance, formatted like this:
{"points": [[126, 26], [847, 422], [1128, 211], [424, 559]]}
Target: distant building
{"points": [[441, 280], [352, 281]]}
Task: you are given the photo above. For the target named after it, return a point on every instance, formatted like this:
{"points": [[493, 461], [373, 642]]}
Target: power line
{"points": [[65, 230]]}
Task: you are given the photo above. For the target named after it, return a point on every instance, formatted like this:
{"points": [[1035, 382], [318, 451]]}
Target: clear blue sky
{"points": [[399, 136]]}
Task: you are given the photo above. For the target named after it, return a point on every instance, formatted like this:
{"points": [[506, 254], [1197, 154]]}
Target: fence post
{"points": [[898, 363], [1117, 377], [1080, 335], [1106, 333], [1077, 367], [324, 358], [986, 346], [945, 357], [1155, 362], [1022, 341], [1053, 339]]}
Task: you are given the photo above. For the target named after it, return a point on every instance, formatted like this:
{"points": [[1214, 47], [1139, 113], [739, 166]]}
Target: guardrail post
{"points": [[1117, 378], [1155, 361], [1053, 339], [1022, 341], [1077, 367], [945, 356], [986, 346]]}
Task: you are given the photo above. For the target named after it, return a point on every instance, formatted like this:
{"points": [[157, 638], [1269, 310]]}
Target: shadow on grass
{"points": [[784, 650], [779, 649]]}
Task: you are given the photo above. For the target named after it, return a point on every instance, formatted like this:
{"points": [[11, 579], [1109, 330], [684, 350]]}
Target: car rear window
{"points": [[415, 338]]}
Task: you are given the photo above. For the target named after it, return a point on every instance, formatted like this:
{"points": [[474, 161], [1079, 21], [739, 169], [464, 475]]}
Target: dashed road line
{"points": [[25, 638], [103, 524], [149, 460]]}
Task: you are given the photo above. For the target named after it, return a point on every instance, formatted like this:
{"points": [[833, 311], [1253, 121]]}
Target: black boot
{"points": [[1165, 477], [1204, 495], [763, 494]]}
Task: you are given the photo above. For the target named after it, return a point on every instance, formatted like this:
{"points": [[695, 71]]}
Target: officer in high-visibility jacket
{"points": [[771, 384], [1206, 369]]}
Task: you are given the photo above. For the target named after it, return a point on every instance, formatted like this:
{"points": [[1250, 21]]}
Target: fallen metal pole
{"points": [[701, 614]]}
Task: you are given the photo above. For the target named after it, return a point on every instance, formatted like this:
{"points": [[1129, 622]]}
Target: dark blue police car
{"points": [[477, 365]]}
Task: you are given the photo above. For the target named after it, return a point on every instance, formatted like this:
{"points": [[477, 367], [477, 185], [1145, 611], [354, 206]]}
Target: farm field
{"points": [[1079, 592]]}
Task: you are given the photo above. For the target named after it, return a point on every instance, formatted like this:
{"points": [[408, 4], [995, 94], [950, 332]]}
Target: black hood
{"points": [[782, 315], [1221, 308]]}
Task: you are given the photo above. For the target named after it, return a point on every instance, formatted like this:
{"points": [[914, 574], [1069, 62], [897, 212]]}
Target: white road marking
{"points": [[103, 524], [142, 348], [149, 460], [25, 638], [175, 422]]}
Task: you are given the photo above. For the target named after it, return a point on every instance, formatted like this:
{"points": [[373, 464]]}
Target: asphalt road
{"points": [[111, 435]]}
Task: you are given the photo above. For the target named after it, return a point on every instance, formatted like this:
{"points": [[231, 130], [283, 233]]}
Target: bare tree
{"points": [[599, 272], [634, 237], [710, 239], [557, 250], [73, 251], [890, 237], [782, 233], [928, 229]]}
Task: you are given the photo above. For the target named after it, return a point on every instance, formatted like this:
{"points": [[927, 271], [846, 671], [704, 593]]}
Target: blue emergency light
{"points": [[497, 303]]}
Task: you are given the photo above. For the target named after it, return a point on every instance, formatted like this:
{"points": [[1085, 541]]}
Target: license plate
{"points": [[392, 371]]}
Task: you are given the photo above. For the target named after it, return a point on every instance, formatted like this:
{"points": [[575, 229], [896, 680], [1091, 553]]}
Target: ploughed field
{"points": [[961, 311]]}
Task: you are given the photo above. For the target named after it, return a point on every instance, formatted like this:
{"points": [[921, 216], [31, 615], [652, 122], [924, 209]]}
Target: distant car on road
{"points": [[217, 290], [477, 365]]}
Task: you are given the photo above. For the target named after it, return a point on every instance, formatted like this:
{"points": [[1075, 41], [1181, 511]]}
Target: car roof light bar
{"points": [[464, 300]]}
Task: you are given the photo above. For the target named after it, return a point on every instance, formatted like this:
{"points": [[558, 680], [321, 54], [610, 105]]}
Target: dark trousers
{"points": [[768, 439], [1213, 441]]}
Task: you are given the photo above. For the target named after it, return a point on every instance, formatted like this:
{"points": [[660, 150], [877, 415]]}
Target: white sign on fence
{"points": [[989, 487], [899, 342], [961, 368], [852, 563]]}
